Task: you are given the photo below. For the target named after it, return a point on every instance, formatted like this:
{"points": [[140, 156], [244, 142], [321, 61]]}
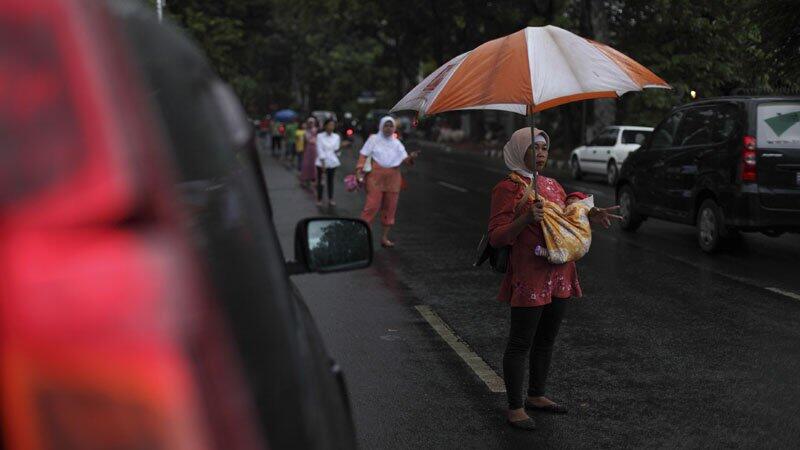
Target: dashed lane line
{"points": [[782, 292], [452, 186], [478, 365]]}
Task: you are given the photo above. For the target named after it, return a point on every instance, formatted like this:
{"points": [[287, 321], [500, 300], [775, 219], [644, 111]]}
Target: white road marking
{"points": [[782, 292], [451, 186], [478, 365]]}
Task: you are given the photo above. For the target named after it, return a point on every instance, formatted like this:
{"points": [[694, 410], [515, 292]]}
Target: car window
{"points": [[664, 134], [607, 138], [727, 123], [634, 136], [696, 127]]}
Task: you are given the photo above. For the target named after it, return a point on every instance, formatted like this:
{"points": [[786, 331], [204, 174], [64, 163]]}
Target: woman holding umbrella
{"points": [[526, 72], [386, 154], [537, 291]]}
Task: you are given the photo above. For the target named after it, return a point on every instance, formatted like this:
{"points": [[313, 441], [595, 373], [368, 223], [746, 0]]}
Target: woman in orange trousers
{"points": [[386, 154]]}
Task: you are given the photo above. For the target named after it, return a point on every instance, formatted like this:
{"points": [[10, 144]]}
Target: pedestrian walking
{"points": [[537, 291], [299, 144], [379, 165], [277, 135], [264, 130], [329, 145], [308, 173], [291, 129]]}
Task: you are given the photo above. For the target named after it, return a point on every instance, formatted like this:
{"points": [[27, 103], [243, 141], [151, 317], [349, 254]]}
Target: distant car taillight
{"points": [[107, 338], [749, 158], [349, 132]]}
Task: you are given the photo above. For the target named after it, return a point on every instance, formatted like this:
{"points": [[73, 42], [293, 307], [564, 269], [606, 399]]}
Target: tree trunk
{"points": [[594, 25]]}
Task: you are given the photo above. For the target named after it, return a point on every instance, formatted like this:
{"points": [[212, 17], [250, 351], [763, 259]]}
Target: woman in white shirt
{"points": [[329, 144], [383, 181]]}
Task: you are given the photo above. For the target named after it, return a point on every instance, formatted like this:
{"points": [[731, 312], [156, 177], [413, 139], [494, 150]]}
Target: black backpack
{"points": [[498, 257]]}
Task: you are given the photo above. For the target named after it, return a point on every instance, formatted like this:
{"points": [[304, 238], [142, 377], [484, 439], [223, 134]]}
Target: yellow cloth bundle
{"points": [[567, 232]]}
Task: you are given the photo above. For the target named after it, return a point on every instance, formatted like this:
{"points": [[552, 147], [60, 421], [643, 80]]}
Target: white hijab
{"points": [[387, 151], [515, 148]]}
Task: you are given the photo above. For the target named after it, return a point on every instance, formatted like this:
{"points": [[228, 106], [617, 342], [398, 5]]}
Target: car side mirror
{"points": [[326, 244]]}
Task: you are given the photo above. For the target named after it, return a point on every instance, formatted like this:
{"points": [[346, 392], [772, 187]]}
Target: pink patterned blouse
{"points": [[530, 280]]}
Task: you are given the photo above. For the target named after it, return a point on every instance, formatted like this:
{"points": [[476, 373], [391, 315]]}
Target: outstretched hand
{"points": [[603, 216]]}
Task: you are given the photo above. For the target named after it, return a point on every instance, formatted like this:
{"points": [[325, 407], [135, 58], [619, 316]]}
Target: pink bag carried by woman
{"points": [[351, 183]]}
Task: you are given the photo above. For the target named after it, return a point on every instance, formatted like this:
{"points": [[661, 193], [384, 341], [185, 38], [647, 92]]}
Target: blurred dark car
{"points": [[146, 299], [726, 165], [370, 123], [347, 126], [373, 118]]}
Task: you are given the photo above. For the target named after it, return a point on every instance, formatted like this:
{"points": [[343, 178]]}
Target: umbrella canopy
{"points": [[285, 115], [529, 71]]}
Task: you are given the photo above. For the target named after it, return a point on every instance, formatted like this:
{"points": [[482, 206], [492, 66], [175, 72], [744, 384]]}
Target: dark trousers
{"points": [[533, 333], [329, 182], [276, 145]]}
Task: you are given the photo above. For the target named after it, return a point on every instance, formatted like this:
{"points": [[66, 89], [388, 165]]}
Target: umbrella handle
{"points": [[531, 123]]}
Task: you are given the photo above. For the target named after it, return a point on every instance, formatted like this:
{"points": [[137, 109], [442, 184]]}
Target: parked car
{"points": [[146, 299], [606, 153], [726, 165], [370, 123]]}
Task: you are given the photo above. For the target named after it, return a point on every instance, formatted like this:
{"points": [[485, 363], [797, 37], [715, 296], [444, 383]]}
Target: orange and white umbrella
{"points": [[529, 71]]}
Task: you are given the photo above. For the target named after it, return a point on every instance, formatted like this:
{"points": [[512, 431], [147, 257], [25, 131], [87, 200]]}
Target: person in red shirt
{"points": [[536, 290]]}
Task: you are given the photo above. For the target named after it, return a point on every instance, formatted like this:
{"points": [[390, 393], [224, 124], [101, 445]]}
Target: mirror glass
{"points": [[338, 244]]}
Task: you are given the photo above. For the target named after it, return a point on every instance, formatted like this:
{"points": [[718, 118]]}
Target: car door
{"points": [[585, 154], [651, 168], [596, 153], [693, 143], [605, 152], [778, 145]]}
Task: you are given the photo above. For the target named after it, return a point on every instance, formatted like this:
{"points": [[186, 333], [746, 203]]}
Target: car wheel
{"points": [[627, 208], [710, 226], [575, 168], [612, 173]]}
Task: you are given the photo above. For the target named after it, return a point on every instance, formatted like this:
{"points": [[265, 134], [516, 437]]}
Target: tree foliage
{"points": [[321, 54]]}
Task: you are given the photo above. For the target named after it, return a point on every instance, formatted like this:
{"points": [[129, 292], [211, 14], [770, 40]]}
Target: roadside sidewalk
{"points": [[408, 389]]}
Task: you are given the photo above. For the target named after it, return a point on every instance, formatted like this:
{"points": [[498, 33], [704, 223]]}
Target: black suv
{"points": [[726, 164]]}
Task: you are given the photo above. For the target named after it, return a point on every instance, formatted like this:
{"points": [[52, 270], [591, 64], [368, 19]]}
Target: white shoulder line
{"points": [[478, 365]]}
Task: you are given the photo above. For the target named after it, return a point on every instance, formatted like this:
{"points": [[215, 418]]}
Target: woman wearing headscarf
{"points": [[537, 291], [386, 154], [308, 172]]}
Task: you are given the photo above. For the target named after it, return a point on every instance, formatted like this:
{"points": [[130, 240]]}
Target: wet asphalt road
{"points": [[668, 347]]}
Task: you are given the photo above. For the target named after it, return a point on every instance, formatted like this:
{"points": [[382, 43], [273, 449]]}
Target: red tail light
{"points": [[749, 157], [102, 315], [349, 132]]}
